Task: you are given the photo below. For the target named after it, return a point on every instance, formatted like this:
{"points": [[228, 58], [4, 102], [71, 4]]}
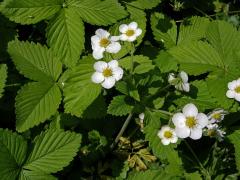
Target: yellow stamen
{"points": [[168, 134], [216, 116], [104, 42], [237, 89], [191, 122], [107, 72], [130, 32]]}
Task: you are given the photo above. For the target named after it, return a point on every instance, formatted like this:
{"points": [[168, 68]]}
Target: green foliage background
{"points": [[57, 124]]}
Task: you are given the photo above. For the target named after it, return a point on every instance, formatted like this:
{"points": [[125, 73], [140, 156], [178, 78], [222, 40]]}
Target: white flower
{"points": [[107, 73], [189, 123], [167, 135], [102, 42], [180, 82], [216, 115], [234, 90], [214, 131], [141, 116], [129, 32]]}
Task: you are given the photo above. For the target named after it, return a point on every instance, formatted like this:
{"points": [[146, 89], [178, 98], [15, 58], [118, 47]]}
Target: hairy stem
{"points": [[124, 127]]}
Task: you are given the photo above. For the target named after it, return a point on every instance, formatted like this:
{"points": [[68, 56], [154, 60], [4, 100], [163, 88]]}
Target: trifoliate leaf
{"points": [[35, 103], [12, 154], [34, 61], [119, 106], [30, 175], [30, 12], [65, 34], [164, 30], [79, 91], [3, 78], [99, 12], [145, 4], [53, 150], [234, 138], [193, 29]]}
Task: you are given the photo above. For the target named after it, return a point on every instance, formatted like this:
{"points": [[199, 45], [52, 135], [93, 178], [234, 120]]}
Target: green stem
{"points": [[205, 171], [124, 127], [13, 85], [132, 58], [199, 10]]}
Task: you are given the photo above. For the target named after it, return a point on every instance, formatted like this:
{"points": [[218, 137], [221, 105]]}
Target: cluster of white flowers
{"points": [[180, 82], [234, 90], [107, 74], [213, 129], [191, 123]]}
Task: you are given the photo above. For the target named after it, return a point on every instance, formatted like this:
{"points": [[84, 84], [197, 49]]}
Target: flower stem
{"points": [[132, 59], [13, 85], [124, 127], [204, 171]]}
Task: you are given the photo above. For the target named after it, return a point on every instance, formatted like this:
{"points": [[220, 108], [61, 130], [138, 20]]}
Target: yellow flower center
{"points": [[130, 32], [104, 42], [216, 116], [168, 134], [237, 89], [107, 72], [191, 122]]}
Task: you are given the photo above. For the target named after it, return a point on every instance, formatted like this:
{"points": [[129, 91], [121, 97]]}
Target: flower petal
{"points": [[99, 66], [202, 119], [102, 33], [115, 38], [184, 77], [133, 25], [118, 73], [196, 133], [98, 53], [185, 87], [237, 97], [165, 141], [123, 28], [138, 32], [113, 47], [109, 82], [182, 132], [190, 110], [132, 38], [230, 94], [123, 37], [113, 64], [232, 85], [97, 77], [178, 120], [174, 139]]}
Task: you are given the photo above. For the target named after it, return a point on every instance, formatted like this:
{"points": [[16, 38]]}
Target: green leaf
{"points": [[164, 29], [152, 175], [223, 37], [65, 34], [234, 138], [3, 78], [119, 106], [145, 4], [199, 95], [30, 175], [166, 62], [53, 150], [34, 61], [30, 12], [197, 57], [79, 91], [12, 154], [35, 103], [193, 29], [99, 12], [139, 61]]}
